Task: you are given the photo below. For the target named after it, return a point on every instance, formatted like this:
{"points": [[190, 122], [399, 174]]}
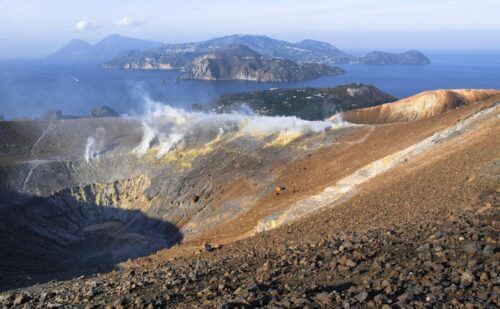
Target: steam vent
{"points": [[105, 201]]}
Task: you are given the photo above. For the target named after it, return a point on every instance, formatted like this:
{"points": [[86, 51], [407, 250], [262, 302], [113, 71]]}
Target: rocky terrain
{"points": [[419, 264], [238, 62], [305, 214], [305, 103], [154, 59]]}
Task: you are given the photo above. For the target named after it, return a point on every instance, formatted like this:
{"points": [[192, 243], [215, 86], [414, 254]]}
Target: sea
{"points": [[29, 88]]}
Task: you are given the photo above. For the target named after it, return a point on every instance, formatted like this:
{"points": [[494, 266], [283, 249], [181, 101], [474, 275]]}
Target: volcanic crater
{"points": [[82, 196]]}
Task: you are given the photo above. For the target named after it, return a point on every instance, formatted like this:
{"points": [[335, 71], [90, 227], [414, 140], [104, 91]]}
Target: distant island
{"points": [[105, 50], [97, 112], [412, 57], [239, 62], [124, 52], [305, 103], [273, 60]]}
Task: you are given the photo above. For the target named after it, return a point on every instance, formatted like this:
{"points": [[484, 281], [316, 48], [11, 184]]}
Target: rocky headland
{"points": [[305, 103], [238, 62]]}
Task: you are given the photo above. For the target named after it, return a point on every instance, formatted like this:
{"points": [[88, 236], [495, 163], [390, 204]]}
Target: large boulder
{"points": [[103, 112]]}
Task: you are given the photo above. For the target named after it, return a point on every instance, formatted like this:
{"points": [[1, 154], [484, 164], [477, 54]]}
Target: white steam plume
{"points": [[166, 128], [90, 149], [147, 138], [95, 145]]}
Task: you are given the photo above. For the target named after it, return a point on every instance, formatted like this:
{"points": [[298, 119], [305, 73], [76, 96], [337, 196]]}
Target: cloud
{"points": [[127, 21], [83, 25]]}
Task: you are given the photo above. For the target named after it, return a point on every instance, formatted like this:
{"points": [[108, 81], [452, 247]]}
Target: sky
{"points": [[30, 28]]}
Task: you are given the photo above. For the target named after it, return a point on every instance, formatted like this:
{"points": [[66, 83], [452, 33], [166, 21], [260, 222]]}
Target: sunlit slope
{"points": [[421, 106]]}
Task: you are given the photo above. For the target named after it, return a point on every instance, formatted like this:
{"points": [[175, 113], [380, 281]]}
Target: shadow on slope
{"points": [[57, 237]]}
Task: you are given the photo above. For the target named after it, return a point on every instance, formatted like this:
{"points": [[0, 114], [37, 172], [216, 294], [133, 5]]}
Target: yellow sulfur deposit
{"points": [[284, 138]]}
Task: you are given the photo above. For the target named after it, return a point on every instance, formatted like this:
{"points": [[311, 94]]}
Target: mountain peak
{"points": [[106, 49], [73, 50], [112, 37], [78, 41]]}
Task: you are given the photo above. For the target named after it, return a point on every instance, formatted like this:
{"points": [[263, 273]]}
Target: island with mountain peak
{"points": [[234, 57]]}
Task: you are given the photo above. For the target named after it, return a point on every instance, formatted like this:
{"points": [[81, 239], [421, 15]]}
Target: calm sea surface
{"points": [[29, 88]]}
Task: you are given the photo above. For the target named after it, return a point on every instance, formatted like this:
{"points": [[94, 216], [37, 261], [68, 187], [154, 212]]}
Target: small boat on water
{"points": [[74, 78]]}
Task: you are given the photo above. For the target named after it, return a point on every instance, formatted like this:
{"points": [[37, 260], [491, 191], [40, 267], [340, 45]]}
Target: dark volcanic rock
{"points": [[224, 278], [103, 112], [305, 103]]}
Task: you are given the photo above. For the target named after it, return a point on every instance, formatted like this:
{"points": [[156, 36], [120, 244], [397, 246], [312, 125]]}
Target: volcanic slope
{"points": [[424, 105], [393, 210]]}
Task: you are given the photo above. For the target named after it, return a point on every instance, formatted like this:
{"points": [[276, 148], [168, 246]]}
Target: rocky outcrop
{"points": [[305, 103], [238, 62], [103, 112], [154, 59]]}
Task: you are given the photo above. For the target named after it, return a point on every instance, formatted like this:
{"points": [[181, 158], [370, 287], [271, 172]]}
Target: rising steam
{"points": [[166, 128], [95, 145]]}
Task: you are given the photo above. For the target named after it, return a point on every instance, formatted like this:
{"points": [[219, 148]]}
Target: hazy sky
{"points": [[37, 27]]}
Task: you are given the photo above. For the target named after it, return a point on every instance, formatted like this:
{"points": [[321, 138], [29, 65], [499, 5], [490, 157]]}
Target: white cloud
{"points": [[82, 25], [127, 21]]}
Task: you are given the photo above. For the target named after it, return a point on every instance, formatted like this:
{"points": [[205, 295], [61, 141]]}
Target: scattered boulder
{"points": [[207, 247], [488, 251], [379, 267], [361, 296], [279, 189], [467, 278], [324, 299], [21, 299], [103, 112]]}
